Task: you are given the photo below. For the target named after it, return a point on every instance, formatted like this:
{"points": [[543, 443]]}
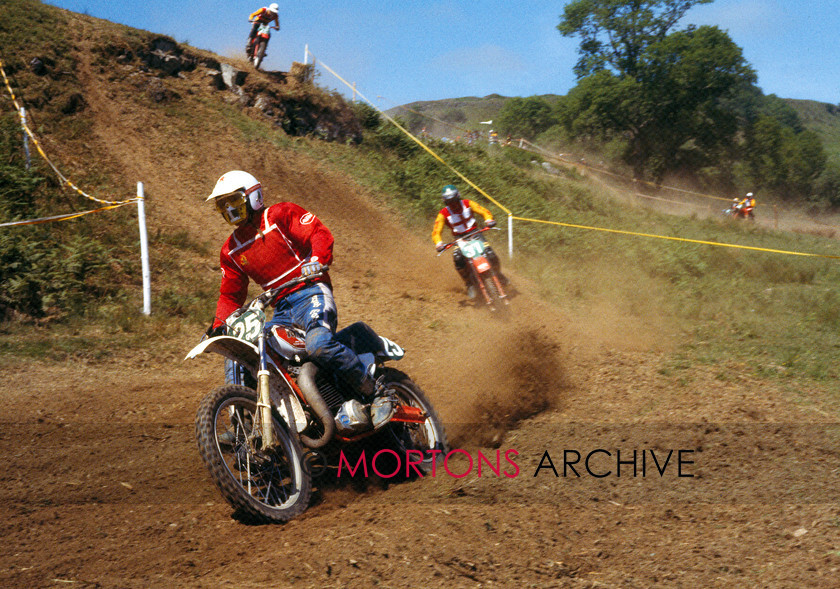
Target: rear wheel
{"points": [[268, 486], [425, 436]]}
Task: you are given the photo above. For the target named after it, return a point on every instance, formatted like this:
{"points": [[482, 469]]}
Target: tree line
{"points": [[664, 101]]}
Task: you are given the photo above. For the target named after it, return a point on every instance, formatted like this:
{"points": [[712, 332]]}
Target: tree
{"points": [[782, 160], [673, 111], [682, 100], [615, 33], [525, 117]]}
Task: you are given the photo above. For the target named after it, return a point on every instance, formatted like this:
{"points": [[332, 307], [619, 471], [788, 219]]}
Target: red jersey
{"points": [[460, 223], [263, 16], [271, 254]]}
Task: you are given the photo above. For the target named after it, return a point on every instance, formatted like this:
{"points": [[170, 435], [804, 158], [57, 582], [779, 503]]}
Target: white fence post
{"points": [[510, 236], [144, 250], [306, 55], [25, 135]]}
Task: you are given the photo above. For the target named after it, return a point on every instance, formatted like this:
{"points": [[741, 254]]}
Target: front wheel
{"points": [[497, 300], [271, 485], [259, 54], [425, 436]]}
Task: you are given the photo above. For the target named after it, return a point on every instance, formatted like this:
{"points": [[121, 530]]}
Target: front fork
{"points": [[478, 278], [264, 398]]}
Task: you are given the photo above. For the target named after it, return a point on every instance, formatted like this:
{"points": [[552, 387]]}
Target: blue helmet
{"points": [[450, 193]]}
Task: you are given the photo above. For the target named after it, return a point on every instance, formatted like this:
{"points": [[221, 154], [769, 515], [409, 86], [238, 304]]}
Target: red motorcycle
{"points": [[739, 210], [483, 276], [264, 437], [258, 45]]}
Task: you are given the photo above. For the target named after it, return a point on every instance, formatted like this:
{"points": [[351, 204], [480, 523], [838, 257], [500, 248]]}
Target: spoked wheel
{"points": [[268, 486], [426, 436], [498, 302], [259, 54]]}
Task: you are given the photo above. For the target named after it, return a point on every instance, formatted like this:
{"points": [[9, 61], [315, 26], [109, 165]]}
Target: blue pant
{"points": [[312, 309]]}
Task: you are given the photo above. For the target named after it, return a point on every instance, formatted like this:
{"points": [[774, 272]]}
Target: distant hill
{"points": [[823, 119], [454, 115], [457, 114]]}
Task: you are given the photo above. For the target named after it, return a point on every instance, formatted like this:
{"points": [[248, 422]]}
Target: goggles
{"points": [[233, 206]]}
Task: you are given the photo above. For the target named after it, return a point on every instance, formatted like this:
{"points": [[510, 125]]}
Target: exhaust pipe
{"points": [[306, 383]]}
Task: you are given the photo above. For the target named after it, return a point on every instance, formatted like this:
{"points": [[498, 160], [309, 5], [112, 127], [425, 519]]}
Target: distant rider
{"points": [[458, 215], [271, 246], [745, 206], [748, 204], [262, 16]]}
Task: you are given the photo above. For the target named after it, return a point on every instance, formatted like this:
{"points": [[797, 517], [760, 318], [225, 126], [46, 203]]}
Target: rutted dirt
{"points": [[103, 486]]}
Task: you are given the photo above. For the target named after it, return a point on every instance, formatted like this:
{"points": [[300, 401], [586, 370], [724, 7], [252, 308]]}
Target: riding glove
{"points": [[310, 267]]}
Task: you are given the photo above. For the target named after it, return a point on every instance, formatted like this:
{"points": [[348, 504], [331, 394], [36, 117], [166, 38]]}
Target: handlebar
{"points": [[472, 233], [265, 298]]}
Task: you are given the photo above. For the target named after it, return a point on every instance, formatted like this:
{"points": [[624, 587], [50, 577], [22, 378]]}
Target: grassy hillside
{"points": [[455, 114], [778, 315], [824, 119]]}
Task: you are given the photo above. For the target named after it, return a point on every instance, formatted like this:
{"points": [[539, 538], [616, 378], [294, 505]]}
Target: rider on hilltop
{"points": [[271, 246], [457, 214], [262, 16]]}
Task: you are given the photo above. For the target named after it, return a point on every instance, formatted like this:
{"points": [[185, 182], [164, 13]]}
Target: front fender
{"points": [[230, 347]]}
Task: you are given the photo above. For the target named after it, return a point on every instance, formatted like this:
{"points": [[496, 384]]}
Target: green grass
{"points": [[779, 314]]}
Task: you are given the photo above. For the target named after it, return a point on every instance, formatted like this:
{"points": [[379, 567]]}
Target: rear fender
{"points": [[369, 345]]}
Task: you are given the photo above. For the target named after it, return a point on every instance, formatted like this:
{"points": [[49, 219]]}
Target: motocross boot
{"points": [[383, 403], [368, 386], [464, 273]]}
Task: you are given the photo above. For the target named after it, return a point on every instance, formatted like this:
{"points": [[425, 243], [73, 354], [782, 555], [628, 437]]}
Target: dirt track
{"points": [[103, 486]]}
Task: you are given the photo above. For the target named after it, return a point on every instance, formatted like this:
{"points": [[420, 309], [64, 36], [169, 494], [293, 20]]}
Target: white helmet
{"points": [[749, 195], [235, 195], [273, 7]]}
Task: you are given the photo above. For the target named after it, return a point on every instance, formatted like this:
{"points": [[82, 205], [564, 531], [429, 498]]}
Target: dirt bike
{"points": [[738, 211], [483, 277], [261, 443], [258, 45]]}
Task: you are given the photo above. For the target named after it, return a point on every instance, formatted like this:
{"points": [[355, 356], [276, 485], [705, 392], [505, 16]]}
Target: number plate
{"points": [[248, 326], [392, 350], [472, 248]]}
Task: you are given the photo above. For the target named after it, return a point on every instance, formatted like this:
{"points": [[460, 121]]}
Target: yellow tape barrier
{"points": [[433, 118], [683, 239], [559, 157], [61, 176], [417, 141], [616, 231], [67, 216]]}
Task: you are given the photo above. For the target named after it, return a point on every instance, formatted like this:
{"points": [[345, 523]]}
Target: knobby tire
{"points": [[268, 487]]}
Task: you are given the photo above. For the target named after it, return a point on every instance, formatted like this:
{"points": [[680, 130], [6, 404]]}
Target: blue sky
{"points": [[407, 50]]}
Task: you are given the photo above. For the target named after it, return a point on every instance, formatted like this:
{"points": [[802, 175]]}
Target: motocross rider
{"points": [[458, 216], [748, 204], [262, 16], [273, 245]]}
